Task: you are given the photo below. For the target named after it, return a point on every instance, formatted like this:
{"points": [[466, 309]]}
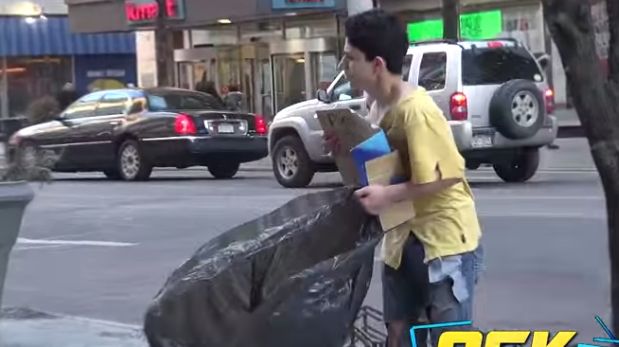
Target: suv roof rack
{"points": [[511, 39], [429, 42]]}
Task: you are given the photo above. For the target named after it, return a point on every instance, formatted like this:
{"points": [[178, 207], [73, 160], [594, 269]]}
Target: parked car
{"points": [[493, 93], [126, 133]]}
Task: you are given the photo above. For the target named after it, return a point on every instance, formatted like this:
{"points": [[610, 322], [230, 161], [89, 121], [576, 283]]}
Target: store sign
{"points": [[473, 26], [302, 4], [105, 73], [146, 11]]}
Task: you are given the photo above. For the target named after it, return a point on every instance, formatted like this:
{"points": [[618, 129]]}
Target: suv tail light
{"points": [[185, 125], [549, 98], [261, 125], [458, 106]]}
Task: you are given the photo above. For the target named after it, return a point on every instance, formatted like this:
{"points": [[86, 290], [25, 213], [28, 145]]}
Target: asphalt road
{"points": [[101, 249]]}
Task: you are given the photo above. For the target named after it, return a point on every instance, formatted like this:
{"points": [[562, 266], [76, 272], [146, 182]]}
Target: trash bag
{"points": [[294, 277]]}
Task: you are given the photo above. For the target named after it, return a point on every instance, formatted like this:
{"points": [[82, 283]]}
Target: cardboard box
{"points": [[352, 131]]}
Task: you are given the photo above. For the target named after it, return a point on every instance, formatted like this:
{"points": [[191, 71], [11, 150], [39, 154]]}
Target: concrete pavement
{"points": [[533, 232], [28, 328]]}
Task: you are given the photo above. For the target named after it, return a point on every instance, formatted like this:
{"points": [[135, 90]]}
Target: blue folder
{"points": [[374, 147]]}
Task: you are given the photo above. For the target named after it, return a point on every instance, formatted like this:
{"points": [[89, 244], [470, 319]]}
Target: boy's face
{"points": [[361, 73]]}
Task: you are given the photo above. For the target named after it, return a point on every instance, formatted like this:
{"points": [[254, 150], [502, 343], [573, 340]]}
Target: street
{"points": [[101, 249]]}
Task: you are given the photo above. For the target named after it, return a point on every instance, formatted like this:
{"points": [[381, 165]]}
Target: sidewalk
{"points": [[27, 328]]}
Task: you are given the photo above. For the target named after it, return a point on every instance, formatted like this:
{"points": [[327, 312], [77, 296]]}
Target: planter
{"points": [[14, 197]]}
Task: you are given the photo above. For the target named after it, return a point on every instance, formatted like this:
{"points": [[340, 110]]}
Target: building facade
{"points": [[39, 54], [519, 19], [276, 52]]}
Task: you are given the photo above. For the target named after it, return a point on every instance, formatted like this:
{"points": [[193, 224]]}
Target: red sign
{"points": [[147, 11]]}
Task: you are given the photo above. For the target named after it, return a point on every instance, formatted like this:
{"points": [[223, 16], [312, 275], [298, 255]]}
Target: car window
{"points": [[113, 103], [406, 68], [170, 101], [83, 107], [344, 91], [498, 65], [433, 71]]}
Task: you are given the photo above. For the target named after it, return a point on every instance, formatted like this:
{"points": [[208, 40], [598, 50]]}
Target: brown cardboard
{"points": [[352, 129], [381, 171]]}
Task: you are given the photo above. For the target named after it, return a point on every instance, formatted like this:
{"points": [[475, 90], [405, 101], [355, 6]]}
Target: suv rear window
{"points": [[498, 65]]}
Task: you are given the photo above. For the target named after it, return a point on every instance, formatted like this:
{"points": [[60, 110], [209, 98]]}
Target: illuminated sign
{"points": [[301, 4], [473, 26], [147, 11]]}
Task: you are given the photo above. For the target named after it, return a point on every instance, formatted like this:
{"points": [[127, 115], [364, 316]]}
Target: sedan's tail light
{"points": [[261, 125], [458, 106], [185, 125], [549, 98]]}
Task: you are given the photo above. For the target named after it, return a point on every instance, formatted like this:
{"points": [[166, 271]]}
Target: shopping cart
{"points": [[369, 329]]}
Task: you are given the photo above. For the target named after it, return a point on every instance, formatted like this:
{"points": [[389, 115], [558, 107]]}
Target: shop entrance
{"points": [[300, 67], [243, 69]]}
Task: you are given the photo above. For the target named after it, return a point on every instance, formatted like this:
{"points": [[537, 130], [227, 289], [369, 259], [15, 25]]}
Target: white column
{"points": [[146, 59]]}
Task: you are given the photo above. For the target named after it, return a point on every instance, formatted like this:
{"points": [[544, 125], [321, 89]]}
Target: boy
{"points": [[445, 232]]}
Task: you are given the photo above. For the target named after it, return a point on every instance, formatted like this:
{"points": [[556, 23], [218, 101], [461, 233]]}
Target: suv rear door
{"points": [[435, 67], [486, 66]]}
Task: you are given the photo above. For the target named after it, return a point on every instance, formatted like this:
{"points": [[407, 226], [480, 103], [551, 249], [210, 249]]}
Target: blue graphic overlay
{"points": [[438, 325]]}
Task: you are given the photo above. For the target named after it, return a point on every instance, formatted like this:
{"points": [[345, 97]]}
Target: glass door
{"points": [[289, 79], [323, 69]]}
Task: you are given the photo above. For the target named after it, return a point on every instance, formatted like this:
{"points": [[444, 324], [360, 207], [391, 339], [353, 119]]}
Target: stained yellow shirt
{"points": [[446, 223]]}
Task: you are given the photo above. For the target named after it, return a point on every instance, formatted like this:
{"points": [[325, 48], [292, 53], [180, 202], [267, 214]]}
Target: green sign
{"points": [[473, 26]]}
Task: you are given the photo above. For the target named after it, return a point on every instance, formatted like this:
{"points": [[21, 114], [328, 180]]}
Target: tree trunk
{"points": [[164, 49], [596, 99], [451, 19]]}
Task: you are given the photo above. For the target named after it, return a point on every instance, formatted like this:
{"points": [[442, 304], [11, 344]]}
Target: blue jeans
{"points": [[452, 298]]}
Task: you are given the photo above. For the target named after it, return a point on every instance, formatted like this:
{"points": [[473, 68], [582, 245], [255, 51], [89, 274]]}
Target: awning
{"points": [[52, 36]]}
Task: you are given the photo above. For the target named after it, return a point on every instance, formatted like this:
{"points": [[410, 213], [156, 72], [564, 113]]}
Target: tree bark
{"points": [[451, 19], [596, 99]]}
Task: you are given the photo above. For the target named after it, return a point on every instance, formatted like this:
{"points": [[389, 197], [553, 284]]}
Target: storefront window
{"points": [[261, 32], [221, 35], [33, 78], [311, 27]]}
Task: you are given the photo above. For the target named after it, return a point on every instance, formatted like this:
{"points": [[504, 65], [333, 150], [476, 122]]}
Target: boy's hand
{"points": [[374, 198], [332, 142]]}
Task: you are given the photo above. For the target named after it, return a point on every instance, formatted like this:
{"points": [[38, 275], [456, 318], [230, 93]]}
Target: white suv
{"points": [[493, 93]]}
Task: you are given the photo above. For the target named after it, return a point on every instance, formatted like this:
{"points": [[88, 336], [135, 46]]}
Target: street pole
{"points": [[164, 48], [451, 19], [4, 85]]}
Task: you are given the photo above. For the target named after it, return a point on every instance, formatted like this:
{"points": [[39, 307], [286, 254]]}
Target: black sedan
{"points": [[125, 133]]}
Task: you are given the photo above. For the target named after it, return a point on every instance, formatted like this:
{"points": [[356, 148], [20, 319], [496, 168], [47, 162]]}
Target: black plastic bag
{"points": [[295, 277]]}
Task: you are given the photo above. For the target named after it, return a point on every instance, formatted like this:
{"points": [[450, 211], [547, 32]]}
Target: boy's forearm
{"points": [[412, 191]]}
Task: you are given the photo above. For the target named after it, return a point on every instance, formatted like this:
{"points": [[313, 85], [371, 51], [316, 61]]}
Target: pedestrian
{"points": [[209, 87], [431, 262], [66, 96]]}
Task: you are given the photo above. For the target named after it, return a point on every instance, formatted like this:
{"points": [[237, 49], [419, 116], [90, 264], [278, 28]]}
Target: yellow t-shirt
{"points": [[446, 223]]}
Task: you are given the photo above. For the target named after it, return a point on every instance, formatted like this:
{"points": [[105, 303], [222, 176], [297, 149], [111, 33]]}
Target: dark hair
{"points": [[379, 34]]}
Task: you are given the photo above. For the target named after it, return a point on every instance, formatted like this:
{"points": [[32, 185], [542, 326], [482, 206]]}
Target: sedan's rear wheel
{"points": [[132, 165]]}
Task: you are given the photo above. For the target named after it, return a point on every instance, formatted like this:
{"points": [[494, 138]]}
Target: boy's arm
{"points": [[375, 198]]}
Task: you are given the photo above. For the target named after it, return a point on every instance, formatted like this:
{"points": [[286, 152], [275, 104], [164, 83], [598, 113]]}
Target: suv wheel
{"points": [[517, 109], [521, 168], [292, 165], [131, 163], [223, 170]]}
